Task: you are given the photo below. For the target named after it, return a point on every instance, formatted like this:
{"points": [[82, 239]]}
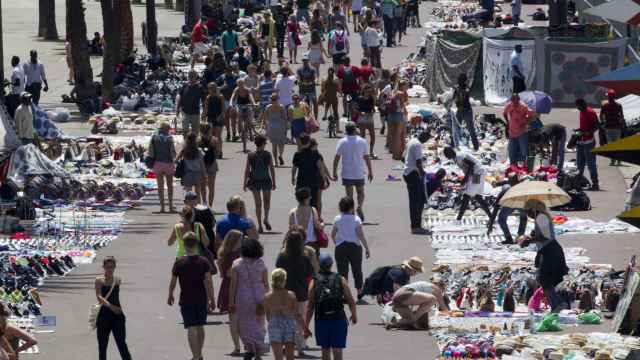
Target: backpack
{"points": [[348, 77], [329, 297], [339, 41], [374, 284], [579, 202]]}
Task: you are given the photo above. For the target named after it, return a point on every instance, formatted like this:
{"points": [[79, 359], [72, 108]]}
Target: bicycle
{"points": [[247, 123]]}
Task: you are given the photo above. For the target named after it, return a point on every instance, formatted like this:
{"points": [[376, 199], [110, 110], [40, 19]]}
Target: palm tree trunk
{"points": [[111, 57], [42, 16], [179, 5], [126, 24], [83, 74], [152, 27], [1, 56], [48, 16]]}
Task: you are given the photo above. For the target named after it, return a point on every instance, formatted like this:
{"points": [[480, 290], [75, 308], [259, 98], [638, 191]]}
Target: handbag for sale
{"points": [[94, 309]]}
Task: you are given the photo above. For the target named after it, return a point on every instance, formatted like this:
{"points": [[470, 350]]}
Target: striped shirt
{"points": [[266, 89]]}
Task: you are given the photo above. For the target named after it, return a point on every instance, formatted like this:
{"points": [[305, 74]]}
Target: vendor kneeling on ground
{"points": [[414, 301]]}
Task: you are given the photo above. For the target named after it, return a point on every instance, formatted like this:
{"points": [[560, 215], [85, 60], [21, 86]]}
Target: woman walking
{"points": [[298, 112], [163, 152], [306, 216], [274, 119], [293, 38], [267, 34], [260, 178], [186, 225], [228, 253], [214, 110], [194, 167], [249, 284], [329, 92], [209, 145], [316, 52], [398, 120], [313, 144], [366, 106], [281, 309], [293, 260], [110, 319], [348, 236]]}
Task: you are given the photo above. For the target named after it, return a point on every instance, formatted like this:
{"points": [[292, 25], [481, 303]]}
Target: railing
{"points": [[633, 55]]}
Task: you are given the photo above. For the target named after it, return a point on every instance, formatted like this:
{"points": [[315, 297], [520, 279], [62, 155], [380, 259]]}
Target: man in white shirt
{"points": [[414, 177], [372, 40], [34, 72], [24, 119], [284, 86], [517, 71], [354, 152], [17, 86]]}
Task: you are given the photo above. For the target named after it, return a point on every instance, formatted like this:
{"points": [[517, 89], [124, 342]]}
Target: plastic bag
{"points": [[549, 323], [388, 315], [589, 318]]}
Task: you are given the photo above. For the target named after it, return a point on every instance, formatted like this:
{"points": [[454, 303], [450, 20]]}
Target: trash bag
{"points": [[549, 323], [589, 318]]}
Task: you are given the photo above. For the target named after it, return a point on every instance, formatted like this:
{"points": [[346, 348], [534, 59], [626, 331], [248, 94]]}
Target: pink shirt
{"points": [[517, 116]]}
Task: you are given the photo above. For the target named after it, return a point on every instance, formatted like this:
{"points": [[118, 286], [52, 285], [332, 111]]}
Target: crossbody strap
{"points": [[113, 285]]}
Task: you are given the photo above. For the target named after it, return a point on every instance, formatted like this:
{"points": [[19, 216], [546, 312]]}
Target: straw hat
{"points": [[414, 263]]}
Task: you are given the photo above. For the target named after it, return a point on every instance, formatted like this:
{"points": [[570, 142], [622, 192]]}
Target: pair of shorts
{"points": [[353, 182], [365, 119], [331, 333], [193, 315], [396, 118], [311, 96], [260, 185], [164, 168]]}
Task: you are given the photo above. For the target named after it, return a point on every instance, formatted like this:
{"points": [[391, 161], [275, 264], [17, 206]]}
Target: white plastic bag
{"points": [[389, 316]]}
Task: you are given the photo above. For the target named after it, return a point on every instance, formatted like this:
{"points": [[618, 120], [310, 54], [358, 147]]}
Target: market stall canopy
{"points": [[627, 150], [8, 137], [631, 217], [630, 108], [537, 101], [625, 11], [547, 192], [28, 160], [624, 80]]}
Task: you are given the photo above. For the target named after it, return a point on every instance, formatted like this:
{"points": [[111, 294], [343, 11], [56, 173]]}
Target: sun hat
{"points": [[414, 263]]}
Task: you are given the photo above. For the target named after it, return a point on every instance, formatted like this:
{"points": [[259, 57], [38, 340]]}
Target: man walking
{"points": [[414, 177], [516, 10], [612, 120], [35, 77], [193, 272], [387, 17], [17, 86], [307, 84], [517, 115], [338, 44], [354, 152], [191, 95], [372, 42], [586, 142], [517, 71], [464, 111], [24, 119], [328, 293]]}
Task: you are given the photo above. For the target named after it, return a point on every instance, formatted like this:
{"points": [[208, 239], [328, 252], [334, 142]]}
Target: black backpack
{"points": [[329, 297], [579, 202], [374, 284]]}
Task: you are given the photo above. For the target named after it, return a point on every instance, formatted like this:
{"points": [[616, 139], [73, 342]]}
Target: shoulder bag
{"points": [[94, 309]]}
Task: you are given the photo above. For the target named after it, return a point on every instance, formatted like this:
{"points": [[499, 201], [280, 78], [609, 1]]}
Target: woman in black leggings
{"points": [[110, 318]]}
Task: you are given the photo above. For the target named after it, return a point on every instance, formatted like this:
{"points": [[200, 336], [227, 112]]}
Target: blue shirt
{"points": [[229, 41], [232, 222], [396, 275], [387, 7]]}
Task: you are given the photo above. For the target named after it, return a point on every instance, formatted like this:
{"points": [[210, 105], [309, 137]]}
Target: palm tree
{"points": [[111, 57], [179, 5], [152, 27], [47, 20], [83, 74], [126, 24]]}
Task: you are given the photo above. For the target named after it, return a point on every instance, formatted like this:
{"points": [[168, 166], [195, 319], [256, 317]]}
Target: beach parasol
{"points": [[631, 217], [624, 11], [626, 149], [623, 80], [537, 101], [547, 192]]}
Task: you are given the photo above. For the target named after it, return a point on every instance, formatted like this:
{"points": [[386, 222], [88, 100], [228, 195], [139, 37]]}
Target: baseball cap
{"points": [[190, 195], [325, 261]]}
